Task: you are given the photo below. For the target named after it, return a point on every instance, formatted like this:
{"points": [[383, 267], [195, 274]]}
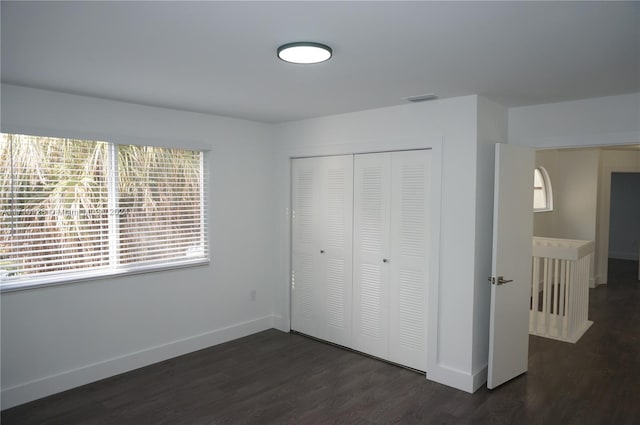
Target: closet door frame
{"points": [[433, 142]]}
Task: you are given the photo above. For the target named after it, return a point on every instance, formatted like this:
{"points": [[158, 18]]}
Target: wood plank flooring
{"points": [[278, 378]]}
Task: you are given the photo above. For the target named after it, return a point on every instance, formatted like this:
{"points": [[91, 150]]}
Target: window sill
{"points": [[88, 276]]}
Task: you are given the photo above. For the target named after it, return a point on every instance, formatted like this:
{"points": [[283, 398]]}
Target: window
{"points": [[73, 209], [542, 194]]}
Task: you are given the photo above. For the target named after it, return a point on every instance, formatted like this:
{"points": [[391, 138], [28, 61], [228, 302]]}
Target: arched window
{"points": [[542, 193]]}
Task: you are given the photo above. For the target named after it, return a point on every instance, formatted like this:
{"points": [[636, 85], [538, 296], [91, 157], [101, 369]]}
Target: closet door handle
{"points": [[385, 260], [322, 251]]}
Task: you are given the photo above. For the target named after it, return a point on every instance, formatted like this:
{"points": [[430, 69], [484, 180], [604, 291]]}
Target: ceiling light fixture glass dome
{"points": [[304, 52]]}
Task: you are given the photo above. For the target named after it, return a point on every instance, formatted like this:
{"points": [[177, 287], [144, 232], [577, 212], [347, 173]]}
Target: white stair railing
{"points": [[560, 288]]}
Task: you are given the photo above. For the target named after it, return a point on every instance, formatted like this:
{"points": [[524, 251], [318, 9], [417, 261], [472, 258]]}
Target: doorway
{"points": [[624, 225], [581, 181]]}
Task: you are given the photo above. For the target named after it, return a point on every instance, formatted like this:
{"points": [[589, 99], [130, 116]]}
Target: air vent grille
{"points": [[422, 98]]}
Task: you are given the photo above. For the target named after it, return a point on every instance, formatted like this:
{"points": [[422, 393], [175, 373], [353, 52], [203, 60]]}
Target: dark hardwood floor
{"points": [[278, 378]]}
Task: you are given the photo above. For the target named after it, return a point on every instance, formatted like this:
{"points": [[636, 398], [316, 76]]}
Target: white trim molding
{"points": [[33, 390]]}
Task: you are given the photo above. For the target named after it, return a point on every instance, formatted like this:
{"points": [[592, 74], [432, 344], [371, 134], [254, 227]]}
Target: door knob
{"points": [[322, 251], [502, 281], [385, 260], [499, 281]]}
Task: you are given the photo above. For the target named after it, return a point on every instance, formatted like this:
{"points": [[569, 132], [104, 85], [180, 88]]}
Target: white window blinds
{"points": [[76, 208], [160, 204], [54, 205]]}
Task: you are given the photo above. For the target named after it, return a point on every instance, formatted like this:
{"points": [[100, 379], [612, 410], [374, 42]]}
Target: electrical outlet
{"points": [[253, 295]]}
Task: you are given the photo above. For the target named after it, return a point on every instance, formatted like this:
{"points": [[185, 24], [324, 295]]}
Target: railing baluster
{"points": [[535, 295], [562, 327], [554, 263], [571, 305], [545, 293]]}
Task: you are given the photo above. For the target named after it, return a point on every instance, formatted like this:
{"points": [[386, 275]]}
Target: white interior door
{"points": [[409, 257], [371, 207], [512, 239]]}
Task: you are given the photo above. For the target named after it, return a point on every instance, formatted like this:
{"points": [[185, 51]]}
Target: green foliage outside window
{"points": [[63, 208]]}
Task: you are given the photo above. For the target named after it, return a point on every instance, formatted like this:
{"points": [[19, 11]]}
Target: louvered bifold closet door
{"points": [[337, 247], [307, 293], [409, 257], [372, 174], [322, 218]]}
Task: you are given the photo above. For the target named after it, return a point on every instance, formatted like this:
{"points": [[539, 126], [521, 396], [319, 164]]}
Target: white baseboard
{"points": [[33, 390], [279, 323], [480, 377], [458, 379]]}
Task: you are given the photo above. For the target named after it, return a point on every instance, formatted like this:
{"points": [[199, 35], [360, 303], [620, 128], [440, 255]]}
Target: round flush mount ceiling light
{"points": [[304, 52]]}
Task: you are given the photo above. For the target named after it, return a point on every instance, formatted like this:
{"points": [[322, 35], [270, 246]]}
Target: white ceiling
{"points": [[220, 57]]}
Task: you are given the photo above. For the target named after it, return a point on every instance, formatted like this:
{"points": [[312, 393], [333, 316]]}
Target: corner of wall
{"points": [[492, 129]]}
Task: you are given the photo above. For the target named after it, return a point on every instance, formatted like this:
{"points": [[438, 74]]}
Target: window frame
{"points": [[546, 186], [35, 281]]}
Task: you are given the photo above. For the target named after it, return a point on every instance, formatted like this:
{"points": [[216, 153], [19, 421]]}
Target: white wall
{"points": [[613, 120], [450, 126], [624, 227], [60, 337], [574, 178]]}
